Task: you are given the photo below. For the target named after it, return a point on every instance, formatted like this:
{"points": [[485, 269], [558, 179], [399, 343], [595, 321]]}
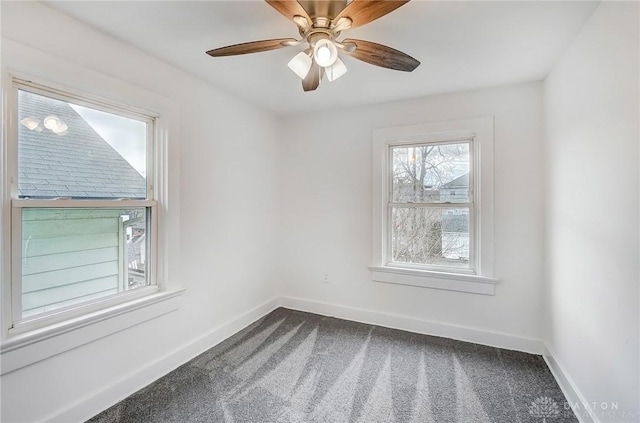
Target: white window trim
{"points": [[480, 281], [469, 204], [22, 348]]}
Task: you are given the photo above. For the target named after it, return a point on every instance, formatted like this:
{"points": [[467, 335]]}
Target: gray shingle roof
{"points": [[459, 182], [79, 163]]}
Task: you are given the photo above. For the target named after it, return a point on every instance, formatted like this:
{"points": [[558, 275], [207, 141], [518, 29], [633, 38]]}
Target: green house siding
{"points": [[70, 256]]}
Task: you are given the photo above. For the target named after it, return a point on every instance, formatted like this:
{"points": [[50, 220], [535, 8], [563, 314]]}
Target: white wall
{"points": [[592, 211], [326, 188], [227, 187]]}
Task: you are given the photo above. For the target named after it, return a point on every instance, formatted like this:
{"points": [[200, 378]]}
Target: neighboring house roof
{"points": [[455, 223], [459, 182], [79, 163]]}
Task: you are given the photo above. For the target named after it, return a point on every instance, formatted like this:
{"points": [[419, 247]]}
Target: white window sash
{"points": [[19, 324], [441, 139]]}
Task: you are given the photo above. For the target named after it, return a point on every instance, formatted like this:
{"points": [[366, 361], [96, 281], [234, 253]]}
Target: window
{"points": [[430, 205], [83, 209], [433, 205]]}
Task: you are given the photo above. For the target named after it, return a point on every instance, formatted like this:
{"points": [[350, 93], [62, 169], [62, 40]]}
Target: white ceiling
{"points": [[462, 46]]}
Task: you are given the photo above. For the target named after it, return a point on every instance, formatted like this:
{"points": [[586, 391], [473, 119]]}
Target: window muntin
{"points": [[430, 205], [102, 210]]}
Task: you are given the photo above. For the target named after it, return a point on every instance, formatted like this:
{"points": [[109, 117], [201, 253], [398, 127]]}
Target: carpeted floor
{"points": [[292, 366]]}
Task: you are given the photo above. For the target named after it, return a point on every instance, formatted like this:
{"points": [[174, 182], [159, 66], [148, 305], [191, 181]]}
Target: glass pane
{"points": [[66, 150], [433, 236], [70, 256], [431, 173]]}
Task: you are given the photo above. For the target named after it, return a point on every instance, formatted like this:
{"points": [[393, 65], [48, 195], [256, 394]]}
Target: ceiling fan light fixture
{"points": [[336, 70], [300, 64], [325, 53], [60, 129], [320, 24], [51, 122], [55, 125], [30, 123]]}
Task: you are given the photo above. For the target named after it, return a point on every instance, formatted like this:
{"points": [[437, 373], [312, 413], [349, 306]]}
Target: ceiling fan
{"points": [[320, 23]]}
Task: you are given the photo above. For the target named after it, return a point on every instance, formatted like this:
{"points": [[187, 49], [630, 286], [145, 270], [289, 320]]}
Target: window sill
{"points": [[438, 280], [33, 346]]}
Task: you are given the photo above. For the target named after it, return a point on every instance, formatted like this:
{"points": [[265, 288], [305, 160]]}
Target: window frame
{"points": [[388, 253], [16, 324], [479, 278]]}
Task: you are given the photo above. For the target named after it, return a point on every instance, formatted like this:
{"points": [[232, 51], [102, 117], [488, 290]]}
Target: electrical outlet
{"points": [[325, 278]]}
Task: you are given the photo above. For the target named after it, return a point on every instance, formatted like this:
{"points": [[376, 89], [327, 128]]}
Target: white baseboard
{"points": [[569, 388], [94, 403], [461, 333]]}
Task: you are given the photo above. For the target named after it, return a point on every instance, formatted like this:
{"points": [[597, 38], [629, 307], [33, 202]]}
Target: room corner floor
{"points": [[292, 366]]}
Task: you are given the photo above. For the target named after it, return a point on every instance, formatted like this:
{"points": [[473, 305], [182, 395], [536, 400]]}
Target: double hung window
{"points": [[433, 205], [83, 209], [430, 207]]}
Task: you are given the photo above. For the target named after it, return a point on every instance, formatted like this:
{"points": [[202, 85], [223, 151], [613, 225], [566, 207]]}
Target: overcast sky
{"points": [[126, 136]]}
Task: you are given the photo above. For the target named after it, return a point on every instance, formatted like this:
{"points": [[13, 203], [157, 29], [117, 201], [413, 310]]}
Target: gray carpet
{"points": [[292, 366]]}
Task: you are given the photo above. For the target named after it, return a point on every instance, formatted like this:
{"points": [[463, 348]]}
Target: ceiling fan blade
{"points": [[362, 12], [380, 55], [313, 78], [250, 47], [289, 9]]}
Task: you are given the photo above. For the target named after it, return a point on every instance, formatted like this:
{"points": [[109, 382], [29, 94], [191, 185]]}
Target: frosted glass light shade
{"points": [[336, 70], [60, 129], [55, 125], [300, 64], [325, 53], [51, 122], [30, 123]]}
